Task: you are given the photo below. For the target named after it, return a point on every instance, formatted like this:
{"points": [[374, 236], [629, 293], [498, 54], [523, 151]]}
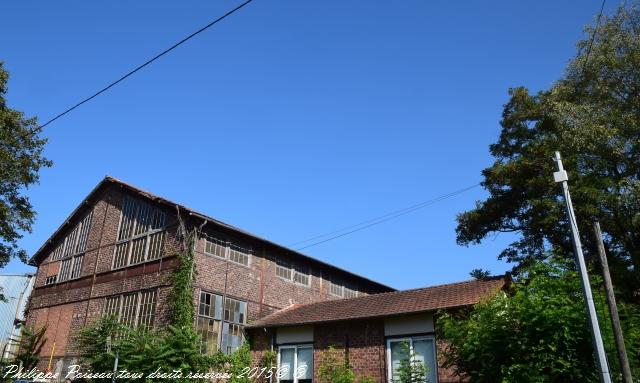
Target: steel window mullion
{"points": [[147, 240]]}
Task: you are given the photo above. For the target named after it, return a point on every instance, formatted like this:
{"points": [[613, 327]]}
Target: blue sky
{"points": [[291, 118]]}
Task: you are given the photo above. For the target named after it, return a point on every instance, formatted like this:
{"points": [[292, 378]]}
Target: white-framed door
{"points": [[422, 348]]}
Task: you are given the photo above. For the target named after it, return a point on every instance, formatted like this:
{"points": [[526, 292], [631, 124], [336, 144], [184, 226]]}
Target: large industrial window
{"points": [[226, 250], [235, 313], [133, 309], [220, 323], [420, 349], [71, 251], [75, 242], [295, 363], [141, 233], [70, 268], [295, 274]]}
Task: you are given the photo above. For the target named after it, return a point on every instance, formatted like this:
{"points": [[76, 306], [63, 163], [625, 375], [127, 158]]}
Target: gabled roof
{"points": [[44, 250], [386, 304]]}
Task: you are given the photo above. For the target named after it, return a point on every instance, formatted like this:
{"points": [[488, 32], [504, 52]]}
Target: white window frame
{"points": [[411, 339], [295, 348], [331, 285], [217, 242], [293, 272], [227, 250], [355, 292]]}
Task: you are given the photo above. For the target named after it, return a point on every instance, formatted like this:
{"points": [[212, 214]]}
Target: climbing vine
{"points": [[182, 278]]}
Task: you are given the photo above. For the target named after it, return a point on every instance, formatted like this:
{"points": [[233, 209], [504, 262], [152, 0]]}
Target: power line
{"points": [[154, 58], [593, 37], [378, 220]]}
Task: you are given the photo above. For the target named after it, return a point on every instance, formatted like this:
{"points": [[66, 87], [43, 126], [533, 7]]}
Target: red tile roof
{"points": [[386, 304]]}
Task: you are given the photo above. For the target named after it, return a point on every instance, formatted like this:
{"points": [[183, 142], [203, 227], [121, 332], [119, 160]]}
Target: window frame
{"points": [[139, 297], [293, 271], [222, 317], [356, 292], [332, 285], [228, 248], [47, 279], [76, 241], [295, 348], [129, 241], [410, 339], [77, 238]]}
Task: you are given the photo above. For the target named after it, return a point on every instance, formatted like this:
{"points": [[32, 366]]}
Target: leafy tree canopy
{"points": [[21, 157], [592, 116], [536, 332]]}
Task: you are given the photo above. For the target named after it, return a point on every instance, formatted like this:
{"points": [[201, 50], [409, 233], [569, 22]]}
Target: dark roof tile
{"points": [[386, 304]]}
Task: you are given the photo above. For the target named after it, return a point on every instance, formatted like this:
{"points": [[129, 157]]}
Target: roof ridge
{"points": [[390, 293], [290, 252], [495, 277]]}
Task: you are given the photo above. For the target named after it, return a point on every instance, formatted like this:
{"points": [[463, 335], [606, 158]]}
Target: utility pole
{"points": [[613, 309], [562, 177]]}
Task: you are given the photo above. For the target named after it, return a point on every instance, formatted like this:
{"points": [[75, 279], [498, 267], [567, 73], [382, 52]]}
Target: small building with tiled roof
{"points": [[370, 331]]}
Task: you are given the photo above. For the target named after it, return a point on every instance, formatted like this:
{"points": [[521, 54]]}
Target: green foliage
{"points": [[95, 342], [367, 379], [411, 370], [269, 358], [3, 365], [29, 346], [146, 351], [536, 332], [183, 276], [592, 116], [21, 157], [235, 363], [335, 368], [480, 274]]}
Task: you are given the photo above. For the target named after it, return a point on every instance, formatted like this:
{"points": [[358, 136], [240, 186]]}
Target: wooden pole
{"points": [[613, 309], [53, 348]]}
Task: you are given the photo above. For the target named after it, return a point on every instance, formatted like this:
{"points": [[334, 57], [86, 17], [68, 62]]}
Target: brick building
{"points": [[370, 331], [114, 254]]}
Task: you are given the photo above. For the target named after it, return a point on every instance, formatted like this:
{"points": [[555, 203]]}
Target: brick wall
{"points": [[363, 342], [67, 306]]}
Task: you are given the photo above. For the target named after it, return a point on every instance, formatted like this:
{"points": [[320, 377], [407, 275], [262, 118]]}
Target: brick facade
{"points": [[363, 342], [65, 307]]}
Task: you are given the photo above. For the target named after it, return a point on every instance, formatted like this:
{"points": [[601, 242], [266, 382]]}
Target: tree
{"points": [[29, 346], [479, 274], [335, 368], [591, 115], [536, 332], [411, 368], [21, 157]]}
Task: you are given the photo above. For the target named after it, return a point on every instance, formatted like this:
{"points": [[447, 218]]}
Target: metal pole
{"points": [[613, 309], [115, 366], [562, 177]]}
